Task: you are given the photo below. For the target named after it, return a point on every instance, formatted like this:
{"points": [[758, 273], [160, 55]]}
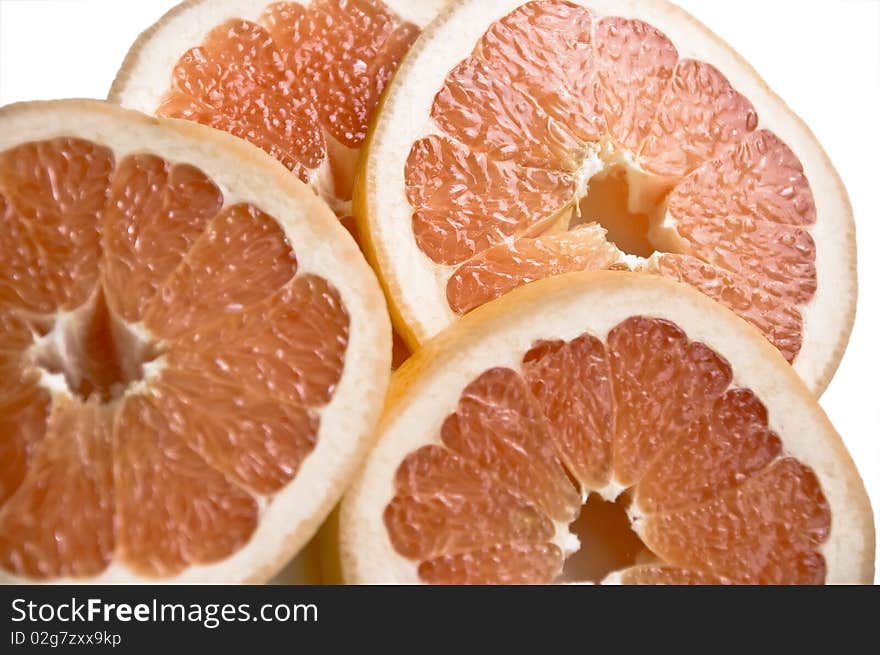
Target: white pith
{"points": [[417, 285], [323, 248], [146, 74], [565, 308]]}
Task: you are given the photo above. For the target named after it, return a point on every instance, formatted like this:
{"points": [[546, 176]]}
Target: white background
{"points": [[821, 56]]}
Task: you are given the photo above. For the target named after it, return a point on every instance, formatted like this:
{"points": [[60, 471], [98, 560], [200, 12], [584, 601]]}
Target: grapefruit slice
{"points": [[604, 426], [194, 352], [524, 139], [298, 79]]}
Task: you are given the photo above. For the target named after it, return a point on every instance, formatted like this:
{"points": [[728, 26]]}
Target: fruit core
{"points": [[631, 208], [606, 541], [93, 353]]}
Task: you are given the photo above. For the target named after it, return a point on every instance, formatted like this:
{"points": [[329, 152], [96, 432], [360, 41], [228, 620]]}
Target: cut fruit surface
{"points": [[194, 352], [301, 79], [604, 427], [525, 139]]}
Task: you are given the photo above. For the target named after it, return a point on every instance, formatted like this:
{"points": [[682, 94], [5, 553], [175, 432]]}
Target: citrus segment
{"points": [[700, 115], [58, 189], [241, 258], [18, 335], [465, 202], [778, 320], [175, 510], [634, 63], [70, 473], [23, 279], [499, 426], [483, 111], [715, 452], [255, 441], [345, 52], [25, 414], [551, 66], [235, 82], [662, 383], [759, 230], [161, 395], [515, 564], [446, 504], [571, 381], [291, 348], [300, 80], [760, 178], [765, 531], [154, 214], [668, 460], [504, 267], [667, 575], [778, 258]]}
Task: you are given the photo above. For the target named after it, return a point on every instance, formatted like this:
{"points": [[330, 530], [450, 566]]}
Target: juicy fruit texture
{"points": [[554, 96], [301, 83], [714, 496], [163, 363]]}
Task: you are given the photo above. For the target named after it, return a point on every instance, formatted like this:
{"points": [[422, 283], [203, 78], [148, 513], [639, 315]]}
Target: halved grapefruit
{"points": [[604, 427], [194, 352], [298, 79], [520, 140]]}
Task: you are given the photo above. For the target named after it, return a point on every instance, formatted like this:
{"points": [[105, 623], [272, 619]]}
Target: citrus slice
{"points": [[604, 426], [298, 79], [523, 139], [194, 352]]}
